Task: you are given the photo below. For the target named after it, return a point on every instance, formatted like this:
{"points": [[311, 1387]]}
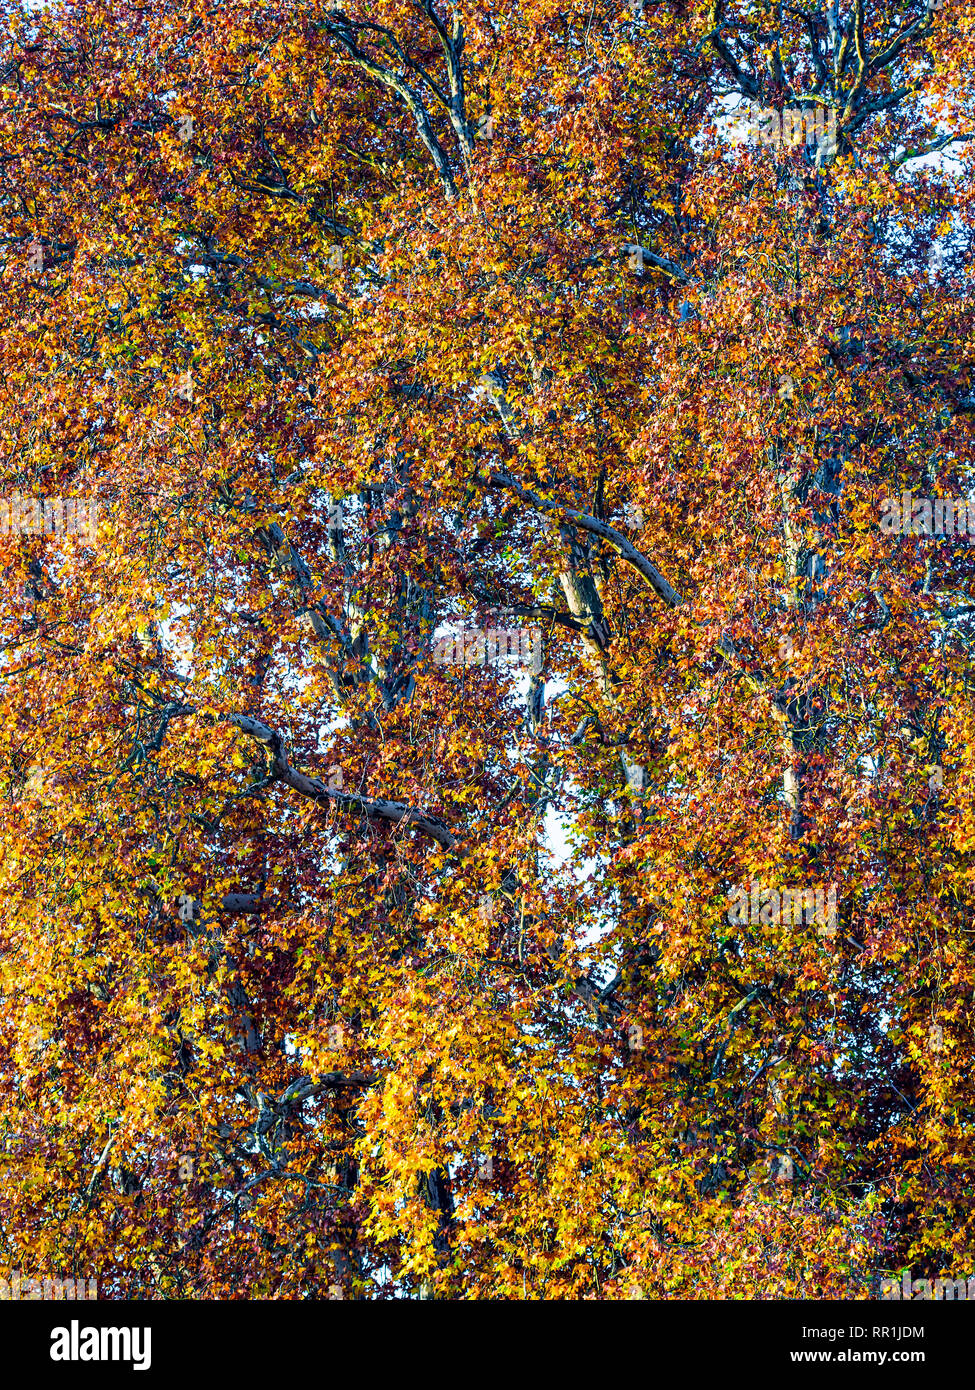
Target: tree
{"points": [[342, 958]]}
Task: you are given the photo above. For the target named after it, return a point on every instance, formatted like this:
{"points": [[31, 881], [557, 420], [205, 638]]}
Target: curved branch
{"points": [[282, 771], [344, 32], [725, 646], [623, 547]]}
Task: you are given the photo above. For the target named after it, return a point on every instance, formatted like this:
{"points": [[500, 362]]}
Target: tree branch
{"points": [[316, 790], [344, 32], [725, 646]]}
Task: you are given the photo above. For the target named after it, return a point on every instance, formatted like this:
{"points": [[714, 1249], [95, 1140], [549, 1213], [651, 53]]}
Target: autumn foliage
{"points": [[331, 969]]}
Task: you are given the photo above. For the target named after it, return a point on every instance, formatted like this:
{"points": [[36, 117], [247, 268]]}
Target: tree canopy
{"points": [[335, 962]]}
